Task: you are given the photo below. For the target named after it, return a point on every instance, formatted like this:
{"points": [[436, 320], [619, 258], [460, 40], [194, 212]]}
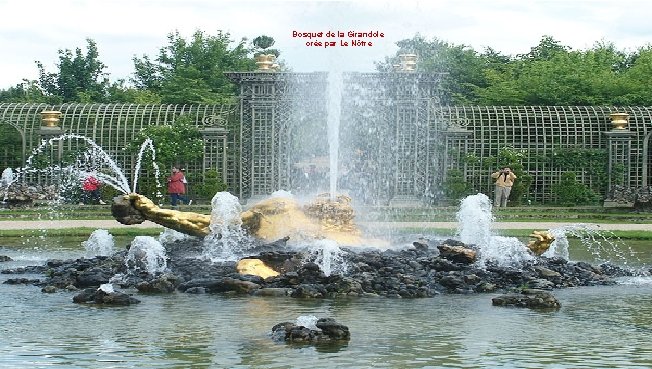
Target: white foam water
{"points": [[474, 220], [227, 240], [170, 235], [308, 321], [106, 288], [99, 243], [7, 177], [635, 281], [146, 254], [328, 256], [474, 228]]}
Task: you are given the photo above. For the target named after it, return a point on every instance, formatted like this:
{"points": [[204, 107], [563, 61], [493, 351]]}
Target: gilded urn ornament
{"points": [[619, 120], [50, 118]]}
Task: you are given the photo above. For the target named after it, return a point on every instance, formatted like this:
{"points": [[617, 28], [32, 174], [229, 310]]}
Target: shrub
{"points": [[571, 192], [455, 185]]}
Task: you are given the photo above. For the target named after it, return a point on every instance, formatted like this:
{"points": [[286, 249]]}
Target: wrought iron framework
{"points": [[397, 141], [114, 127], [479, 132]]}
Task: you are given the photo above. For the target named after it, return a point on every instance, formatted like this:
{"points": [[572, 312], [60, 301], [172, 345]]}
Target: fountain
{"points": [[100, 243]]}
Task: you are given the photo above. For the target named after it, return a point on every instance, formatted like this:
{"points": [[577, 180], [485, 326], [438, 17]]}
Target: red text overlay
{"points": [[339, 38]]}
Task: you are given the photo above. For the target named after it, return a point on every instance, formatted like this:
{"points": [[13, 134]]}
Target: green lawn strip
{"points": [[524, 233], [82, 231]]}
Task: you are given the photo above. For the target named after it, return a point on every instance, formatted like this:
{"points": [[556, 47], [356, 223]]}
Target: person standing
{"points": [[504, 182], [91, 187], [177, 186]]}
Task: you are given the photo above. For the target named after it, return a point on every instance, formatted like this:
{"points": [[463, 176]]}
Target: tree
{"points": [[547, 48], [570, 192], [460, 63], [192, 71], [80, 77], [27, 91]]}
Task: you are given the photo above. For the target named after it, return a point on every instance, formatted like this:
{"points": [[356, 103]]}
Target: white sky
{"points": [[33, 30]]}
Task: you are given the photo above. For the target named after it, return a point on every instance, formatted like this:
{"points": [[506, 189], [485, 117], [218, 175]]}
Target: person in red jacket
{"points": [[177, 186], [91, 187]]}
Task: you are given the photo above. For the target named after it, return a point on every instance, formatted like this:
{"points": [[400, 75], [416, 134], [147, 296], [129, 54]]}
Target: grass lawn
{"points": [[130, 232]]}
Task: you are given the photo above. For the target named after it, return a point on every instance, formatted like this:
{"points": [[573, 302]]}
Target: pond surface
{"points": [[596, 327]]}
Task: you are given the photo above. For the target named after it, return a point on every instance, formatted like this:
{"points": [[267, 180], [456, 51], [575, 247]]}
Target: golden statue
{"points": [[541, 243], [269, 220]]}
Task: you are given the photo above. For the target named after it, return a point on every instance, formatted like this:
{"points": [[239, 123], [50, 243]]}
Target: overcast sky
{"points": [[33, 30]]}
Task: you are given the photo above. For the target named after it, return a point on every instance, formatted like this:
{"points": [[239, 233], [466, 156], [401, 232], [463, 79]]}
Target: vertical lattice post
{"points": [[620, 147], [215, 151], [51, 128]]}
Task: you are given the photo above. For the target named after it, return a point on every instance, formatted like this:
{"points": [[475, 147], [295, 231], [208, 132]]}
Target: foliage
{"points": [[463, 66], [11, 147], [593, 162], [192, 71], [549, 74], [80, 77], [211, 185], [178, 143], [455, 185], [25, 92], [571, 192], [262, 45]]}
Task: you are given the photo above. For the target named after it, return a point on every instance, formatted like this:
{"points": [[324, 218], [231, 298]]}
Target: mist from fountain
{"points": [[475, 220], [335, 85], [603, 246], [147, 144]]}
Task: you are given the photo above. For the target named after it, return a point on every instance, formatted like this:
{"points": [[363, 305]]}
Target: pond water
{"points": [[597, 327]]}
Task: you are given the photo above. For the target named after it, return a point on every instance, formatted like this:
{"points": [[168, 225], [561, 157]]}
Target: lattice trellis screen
{"points": [[538, 131], [114, 126]]}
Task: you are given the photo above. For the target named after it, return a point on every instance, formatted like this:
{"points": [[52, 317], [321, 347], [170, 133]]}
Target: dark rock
{"points": [[98, 296], [275, 292], [166, 283], [225, 284], [49, 289], [94, 277], [529, 298], [309, 291], [196, 290], [328, 331], [21, 281], [333, 329], [124, 212], [4, 258]]}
